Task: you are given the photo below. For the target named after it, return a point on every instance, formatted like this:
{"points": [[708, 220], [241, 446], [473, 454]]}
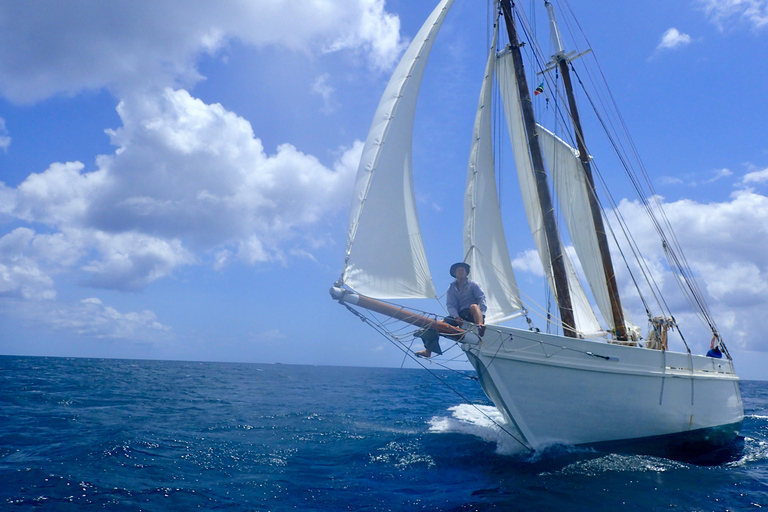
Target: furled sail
{"points": [[385, 255], [485, 246], [584, 316]]}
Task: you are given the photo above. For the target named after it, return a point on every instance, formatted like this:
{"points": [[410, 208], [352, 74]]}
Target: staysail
{"points": [[485, 245], [572, 191], [385, 256], [584, 316]]}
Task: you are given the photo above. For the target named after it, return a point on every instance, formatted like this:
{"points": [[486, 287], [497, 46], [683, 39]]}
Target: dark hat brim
{"points": [[457, 265]]}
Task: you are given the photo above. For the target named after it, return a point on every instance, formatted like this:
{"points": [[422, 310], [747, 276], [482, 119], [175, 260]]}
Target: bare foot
{"points": [[423, 353]]}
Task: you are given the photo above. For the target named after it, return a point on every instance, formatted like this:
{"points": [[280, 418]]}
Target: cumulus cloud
{"points": [[528, 261], [723, 244], [91, 318], [189, 183], [723, 12], [187, 179], [64, 48], [20, 274], [756, 176], [673, 38]]}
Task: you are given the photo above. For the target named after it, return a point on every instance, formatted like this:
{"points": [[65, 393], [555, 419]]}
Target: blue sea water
{"points": [[90, 434]]}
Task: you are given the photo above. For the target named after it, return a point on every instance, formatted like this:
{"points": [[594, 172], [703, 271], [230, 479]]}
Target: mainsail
{"points": [[385, 255], [485, 245]]}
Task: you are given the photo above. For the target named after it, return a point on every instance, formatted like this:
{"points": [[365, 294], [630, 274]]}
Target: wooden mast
{"points": [[542, 186], [597, 215]]}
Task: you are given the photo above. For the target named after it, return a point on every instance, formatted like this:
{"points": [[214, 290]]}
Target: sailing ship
{"points": [[587, 384]]}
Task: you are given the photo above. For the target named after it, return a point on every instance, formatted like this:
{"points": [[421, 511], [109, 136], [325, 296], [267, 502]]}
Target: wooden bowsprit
{"points": [[399, 313]]}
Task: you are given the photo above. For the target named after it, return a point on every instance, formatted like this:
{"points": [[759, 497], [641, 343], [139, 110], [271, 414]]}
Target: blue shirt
{"points": [[458, 299]]}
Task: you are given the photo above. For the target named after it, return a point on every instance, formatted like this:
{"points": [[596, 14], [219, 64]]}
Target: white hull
{"points": [[563, 390]]}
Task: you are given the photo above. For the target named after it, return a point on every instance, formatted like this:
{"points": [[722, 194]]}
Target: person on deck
{"points": [[464, 300]]}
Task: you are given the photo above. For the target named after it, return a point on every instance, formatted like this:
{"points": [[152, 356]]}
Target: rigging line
{"points": [[680, 260], [596, 197], [649, 279], [549, 317], [456, 391], [681, 266], [642, 263], [695, 297], [654, 288], [622, 223], [627, 168], [615, 141]]}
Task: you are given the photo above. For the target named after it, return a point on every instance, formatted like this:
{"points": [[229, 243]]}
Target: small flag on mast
{"points": [[539, 89]]}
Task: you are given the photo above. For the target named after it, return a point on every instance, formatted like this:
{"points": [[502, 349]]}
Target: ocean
{"points": [[128, 435]]}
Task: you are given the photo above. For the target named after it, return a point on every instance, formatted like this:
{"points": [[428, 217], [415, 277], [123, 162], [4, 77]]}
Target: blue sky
{"points": [[176, 177]]}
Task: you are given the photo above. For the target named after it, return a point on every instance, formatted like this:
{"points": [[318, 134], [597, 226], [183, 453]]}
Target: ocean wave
{"points": [[755, 450], [401, 455], [618, 463], [483, 421]]}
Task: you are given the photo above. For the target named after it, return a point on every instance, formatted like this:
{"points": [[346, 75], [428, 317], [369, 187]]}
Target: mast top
{"points": [[557, 42]]}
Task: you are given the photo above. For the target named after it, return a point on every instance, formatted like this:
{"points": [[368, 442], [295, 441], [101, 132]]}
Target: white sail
{"points": [[385, 255], [572, 192], [485, 246], [584, 316]]}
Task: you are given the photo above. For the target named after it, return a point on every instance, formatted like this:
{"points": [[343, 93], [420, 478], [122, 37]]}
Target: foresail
{"points": [[572, 189], [584, 316], [485, 246], [385, 255]]}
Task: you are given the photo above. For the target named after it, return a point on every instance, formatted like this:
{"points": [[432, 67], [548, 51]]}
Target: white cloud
{"points": [[187, 179], [724, 245], [670, 180], [753, 12], [5, 139], [673, 38], [272, 335], [189, 183], [20, 274], [129, 261], [59, 196], [697, 179], [90, 318], [756, 176], [64, 48], [528, 261], [375, 31], [323, 88], [718, 174]]}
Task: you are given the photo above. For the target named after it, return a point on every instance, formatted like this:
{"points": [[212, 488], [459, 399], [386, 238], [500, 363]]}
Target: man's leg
{"points": [[477, 316]]}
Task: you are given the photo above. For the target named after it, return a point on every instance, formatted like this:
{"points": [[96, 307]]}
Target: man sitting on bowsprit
{"points": [[465, 300]]}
